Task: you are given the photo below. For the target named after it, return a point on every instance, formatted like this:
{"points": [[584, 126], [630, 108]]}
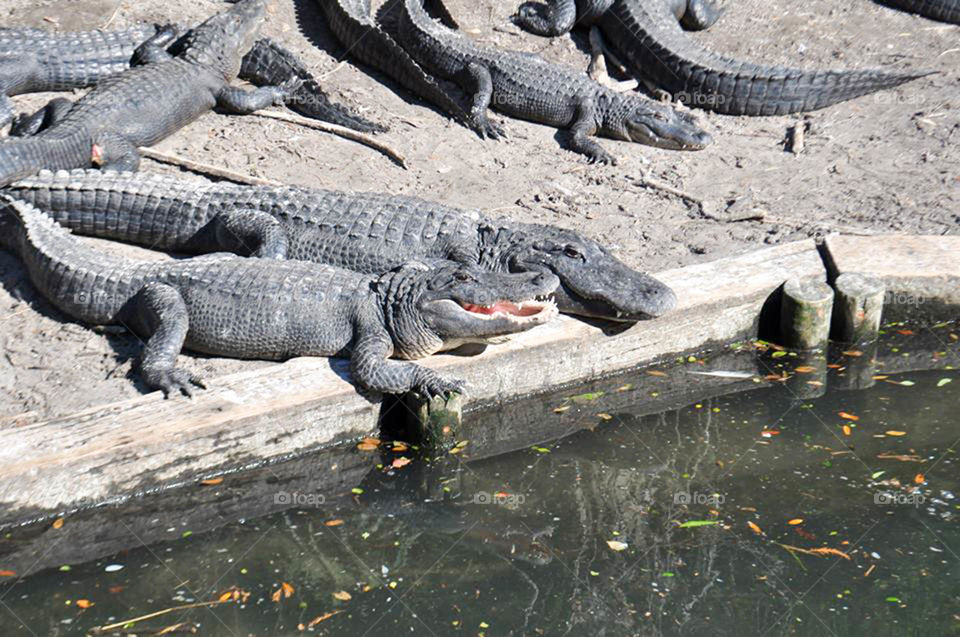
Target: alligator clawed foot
{"points": [[174, 381], [438, 386]]}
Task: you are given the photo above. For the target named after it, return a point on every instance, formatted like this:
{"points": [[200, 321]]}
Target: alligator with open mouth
{"points": [[365, 232], [650, 38], [228, 305]]}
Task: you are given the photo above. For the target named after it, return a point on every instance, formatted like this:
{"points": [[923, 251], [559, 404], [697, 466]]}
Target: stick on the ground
{"points": [[340, 131], [598, 65], [649, 182], [205, 169]]}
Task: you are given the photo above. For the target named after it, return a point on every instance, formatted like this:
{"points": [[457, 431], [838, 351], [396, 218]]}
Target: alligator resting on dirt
{"points": [[364, 232], [525, 85], [942, 10], [227, 305], [146, 103], [36, 60], [648, 36]]}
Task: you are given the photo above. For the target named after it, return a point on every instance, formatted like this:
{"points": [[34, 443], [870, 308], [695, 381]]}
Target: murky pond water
{"points": [[767, 511]]}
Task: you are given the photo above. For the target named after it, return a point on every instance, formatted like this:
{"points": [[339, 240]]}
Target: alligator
{"points": [[227, 305], [354, 26], [365, 232], [146, 103], [35, 60], [942, 10], [525, 85], [649, 37]]}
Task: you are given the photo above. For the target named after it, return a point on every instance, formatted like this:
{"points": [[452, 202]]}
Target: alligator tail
{"points": [[942, 10], [673, 62], [268, 63], [363, 39], [22, 157]]}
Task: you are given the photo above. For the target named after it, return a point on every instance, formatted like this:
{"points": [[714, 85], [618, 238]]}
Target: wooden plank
{"points": [[921, 273], [111, 452]]}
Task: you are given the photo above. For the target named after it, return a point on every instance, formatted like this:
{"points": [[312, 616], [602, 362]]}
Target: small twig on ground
{"points": [[340, 131], [796, 135], [205, 169], [649, 182], [113, 15], [99, 630], [332, 71]]}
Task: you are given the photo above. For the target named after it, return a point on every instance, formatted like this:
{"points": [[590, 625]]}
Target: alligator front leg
{"points": [[160, 313], [583, 127], [250, 232], [154, 49], [476, 81], [45, 117], [554, 18], [372, 368], [243, 102], [113, 152]]}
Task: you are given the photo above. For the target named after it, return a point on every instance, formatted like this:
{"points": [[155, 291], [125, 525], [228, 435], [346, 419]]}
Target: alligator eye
{"points": [[572, 252], [462, 276]]}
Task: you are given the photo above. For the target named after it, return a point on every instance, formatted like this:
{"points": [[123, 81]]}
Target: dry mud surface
{"points": [[886, 163]]}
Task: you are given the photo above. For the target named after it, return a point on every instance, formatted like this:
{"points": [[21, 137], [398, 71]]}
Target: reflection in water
{"points": [[759, 513]]}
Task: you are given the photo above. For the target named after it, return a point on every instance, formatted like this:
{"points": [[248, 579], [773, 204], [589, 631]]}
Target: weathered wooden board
{"points": [[921, 273], [108, 453]]}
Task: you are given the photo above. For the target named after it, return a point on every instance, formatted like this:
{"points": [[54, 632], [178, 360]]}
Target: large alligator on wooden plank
{"points": [[146, 103], [228, 305], [942, 10], [364, 232], [525, 85], [648, 36], [36, 60]]}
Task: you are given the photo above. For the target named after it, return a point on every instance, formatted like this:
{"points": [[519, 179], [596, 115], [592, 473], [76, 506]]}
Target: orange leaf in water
{"points": [[58, 523], [8, 573], [853, 352], [846, 430], [336, 522], [84, 603], [766, 433], [225, 597], [368, 444], [919, 478], [826, 550], [905, 332], [400, 462], [895, 433], [804, 369], [343, 596], [322, 618], [116, 589], [654, 372], [756, 529], [287, 590], [848, 416], [210, 482], [795, 521]]}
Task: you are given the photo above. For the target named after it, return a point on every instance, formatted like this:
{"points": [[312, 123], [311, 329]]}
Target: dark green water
{"points": [[585, 536]]}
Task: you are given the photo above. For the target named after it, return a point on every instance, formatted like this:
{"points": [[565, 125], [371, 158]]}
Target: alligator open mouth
{"points": [[532, 309]]}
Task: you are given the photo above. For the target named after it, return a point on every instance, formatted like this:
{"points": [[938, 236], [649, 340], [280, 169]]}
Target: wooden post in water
{"points": [[805, 314], [858, 308], [438, 420]]}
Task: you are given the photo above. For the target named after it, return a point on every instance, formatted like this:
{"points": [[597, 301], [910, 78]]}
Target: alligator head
{"points": [[222, 40], [433, 309], [644, 121], [593, 282]]}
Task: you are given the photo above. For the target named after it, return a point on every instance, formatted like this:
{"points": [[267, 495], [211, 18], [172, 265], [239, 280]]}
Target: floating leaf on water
{"points": [[113, 568], [617, 545], [666, 574], [724, 374], [853, 352], [905, 332], [603, 416], [944, 381], [84, 603], [655, 372], [368, 444], [804, 369], [846, 430], [336, 522], [343, 596], [876, 474], [893, 432], [210, 482], [767, 433], [778, 354], [541, 449], [65, 568], [919, 478], [893, 599], [5, 573], [623, 388], [57, 524], [399, 463], [849, 416], [795, 521], [907, 383], [587, 397], [692, 524], [225, 597], [322, 618], [560, 410], [356, 491]]}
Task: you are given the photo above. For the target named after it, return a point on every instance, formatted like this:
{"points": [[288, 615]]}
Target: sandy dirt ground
{"points": [[886, 163]]}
